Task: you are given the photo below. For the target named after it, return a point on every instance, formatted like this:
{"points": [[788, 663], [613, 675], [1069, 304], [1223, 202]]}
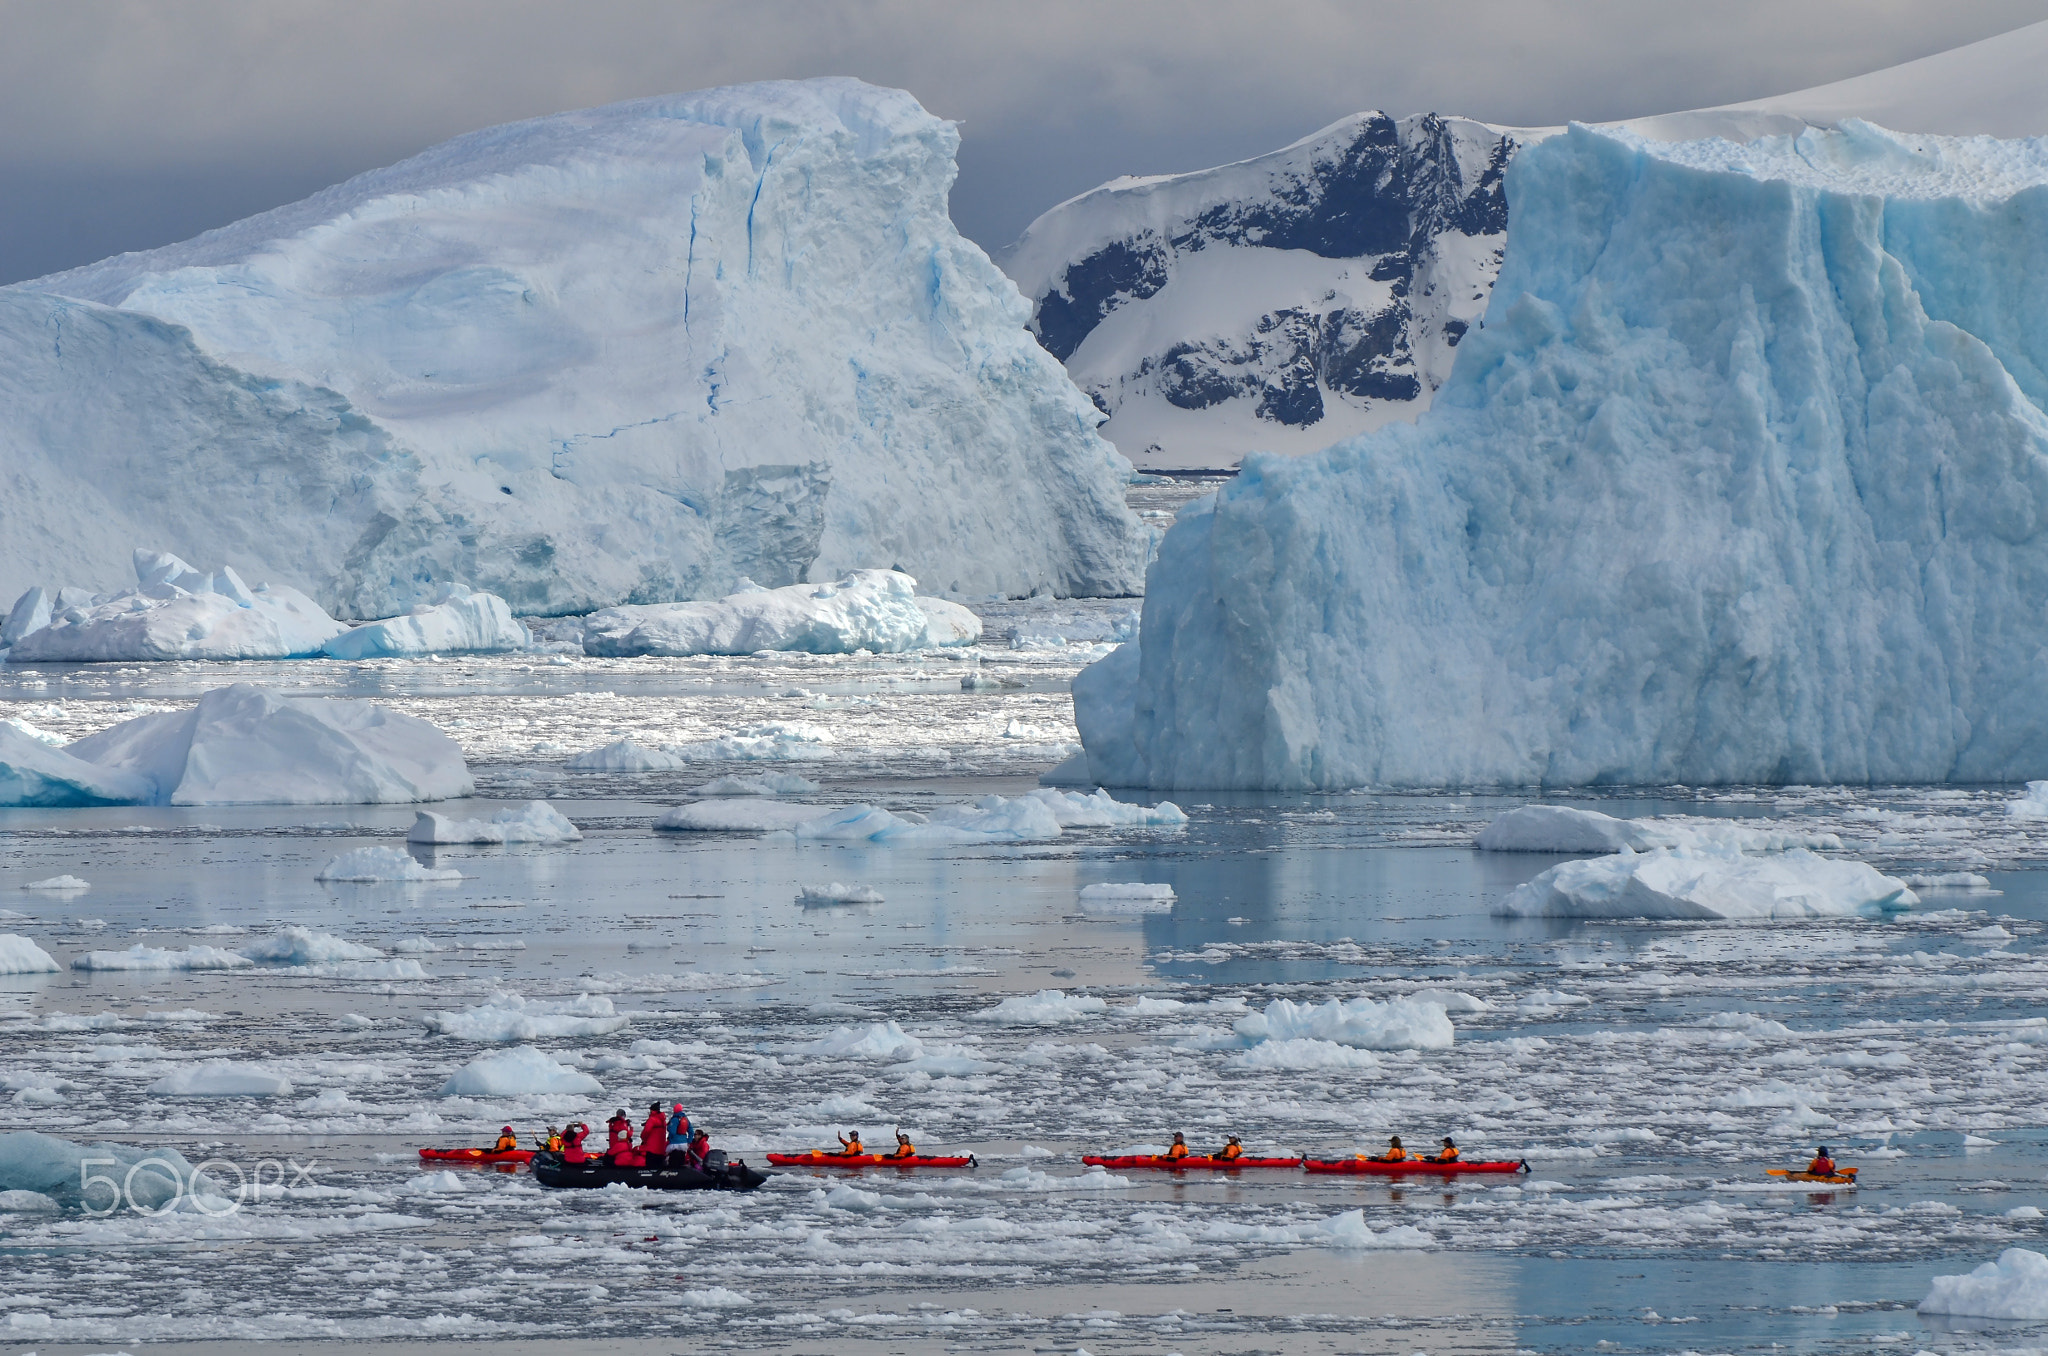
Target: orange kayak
{"points": [[477, 1155], [818, 1158]]}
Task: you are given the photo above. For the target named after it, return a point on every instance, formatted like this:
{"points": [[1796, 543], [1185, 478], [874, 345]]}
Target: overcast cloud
{"points": [[131, 123]]}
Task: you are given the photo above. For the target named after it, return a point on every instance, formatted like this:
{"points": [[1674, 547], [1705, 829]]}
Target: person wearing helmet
{"points": [[1447, 1154], [553, 1144], [1231, 1150], [1822, 1165], [1179, 1147], [1394, 1154], [904, 1148], [850, 1145], [507, 1141]]}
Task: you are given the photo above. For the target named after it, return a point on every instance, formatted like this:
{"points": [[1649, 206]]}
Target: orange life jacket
{"points": [[904, 1150], [1447, 1156], [1394, 1156], [1230, 1151], [1177, 1151], [505, 1142]]}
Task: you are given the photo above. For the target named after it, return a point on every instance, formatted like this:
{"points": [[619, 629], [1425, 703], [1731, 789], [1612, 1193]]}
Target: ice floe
{"points": [[1397, 1024], [1101, 810], [141, 957], [534, 822], [1127, 897], [459, 620], [1047, 1007], [514, 1017], [176, 612], [747, 814], [20, 956], [625, 755], [2015, 1287], [522, 1071], [221, 1078], [1562, 828], [303, 946], [873, 610], [819, 896], [1706, 882], [759, 784], [152, 1177], [381, 864], [65, 884]]}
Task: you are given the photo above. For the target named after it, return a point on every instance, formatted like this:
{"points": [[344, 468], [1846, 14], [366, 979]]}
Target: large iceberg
{"points": [[243, 745], [625, 354], [34, 773], [458, 620], [1745, 479], [876, 610], [175, 612]]}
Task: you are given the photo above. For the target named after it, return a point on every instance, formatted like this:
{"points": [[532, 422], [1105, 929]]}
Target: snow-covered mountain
{"points": [[1279, 303], [1744, 479], [629, 354]]}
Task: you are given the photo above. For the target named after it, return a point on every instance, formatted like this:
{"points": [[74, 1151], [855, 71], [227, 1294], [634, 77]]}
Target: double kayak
{"points": [[477, 1155], [551, 1171], [1375, 1167], [1190, 1161], [819, 1158]]}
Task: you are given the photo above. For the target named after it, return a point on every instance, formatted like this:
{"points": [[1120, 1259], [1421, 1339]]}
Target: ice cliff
{"points": [[1280, 303], [628, 354], [1745, 479]]}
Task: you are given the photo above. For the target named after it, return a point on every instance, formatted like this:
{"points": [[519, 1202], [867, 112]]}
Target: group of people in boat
{"points": [[666, 1139], [851, 1147], [1232, 1148]]}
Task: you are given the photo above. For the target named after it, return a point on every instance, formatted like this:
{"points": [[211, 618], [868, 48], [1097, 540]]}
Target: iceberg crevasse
{"points": [[1744, 480]]}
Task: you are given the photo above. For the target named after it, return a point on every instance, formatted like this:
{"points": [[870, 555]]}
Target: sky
{"points": [[126, 124]]}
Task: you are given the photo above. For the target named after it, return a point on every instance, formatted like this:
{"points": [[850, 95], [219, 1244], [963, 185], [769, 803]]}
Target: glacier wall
{"points": [[1745, 479], [629, 354]]}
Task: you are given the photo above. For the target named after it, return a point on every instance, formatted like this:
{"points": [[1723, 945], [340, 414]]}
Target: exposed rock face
{"points": [[1279, 303]]}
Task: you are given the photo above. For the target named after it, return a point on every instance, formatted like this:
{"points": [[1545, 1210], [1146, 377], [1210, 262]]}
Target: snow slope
{"points": [[627, 354], [1280, 303], [1744, 480]]}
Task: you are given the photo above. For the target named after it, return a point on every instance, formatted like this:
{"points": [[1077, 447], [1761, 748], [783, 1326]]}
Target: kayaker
{"points": [[850, 1145], [507, 1141], [1179, 1147], [1231, 1150], [619, 1129], [1822, 1165], [572, 1143], [679, 1126], [1394, 1154], [553, 1143], [654, 1134], [1447, 1154]]}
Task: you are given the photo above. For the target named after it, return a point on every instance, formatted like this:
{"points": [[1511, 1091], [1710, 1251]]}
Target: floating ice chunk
{"points": [[152, 1176], [302, 946], [778, 741], [446, 1182], [1953, 882], [992, 819], [458, 621], [1127, 898], [1101, 810], [750, 814], [877, 1040], [376, 864], [521, 1071], [1346, 1230], [759, 784], [140, 957], [65, 884], [716, 1297], [875, 610], [2033, 804], [26, 1203], [1706, 882], [1397, 1024], [534, 822], [179, 613], [1452, 1000], [1303, 1053], [221, 1078], [34, 773], [1561, 828], [20, 956], [1047, 1007], [819, 896], [624, 755], [512, 1017], [2015, 1287], [243, 745]]}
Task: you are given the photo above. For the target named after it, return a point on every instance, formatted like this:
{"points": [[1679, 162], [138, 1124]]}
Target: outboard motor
{"points": [[714, 1161]]}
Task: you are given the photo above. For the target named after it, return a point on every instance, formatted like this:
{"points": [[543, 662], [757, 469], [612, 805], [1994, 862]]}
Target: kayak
{"points": [[818, 1158], [1842, 1177], [1202, 1161], [1373, 1167], [550, 1171], [477, 1155]]}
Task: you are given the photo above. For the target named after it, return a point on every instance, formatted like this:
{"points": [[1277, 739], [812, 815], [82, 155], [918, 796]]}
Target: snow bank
{"points": [[1747, 429], [1560, 828], [140, 957], [534, 822], [176, 613], [637, 352], [1397, 1024], [1127, 898], [512, 1017], [20, 956], [376, 864], [2014, 1287], [243, 745], [32, 773], [875, 610], [519, 1072], [459, 620], [819, 896], [624, 755], [302, 946], [65, 884], [1047, 1007], [55, 1168], [1072, 810], [759, 784], [747, 815], [1706, 882], [221, 1078]]}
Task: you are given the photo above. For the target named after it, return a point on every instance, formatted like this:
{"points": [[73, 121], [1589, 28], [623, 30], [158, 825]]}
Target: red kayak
{"points": [[1206, 1161], [818, 1158], [1376, 1167], [477, 1155]]}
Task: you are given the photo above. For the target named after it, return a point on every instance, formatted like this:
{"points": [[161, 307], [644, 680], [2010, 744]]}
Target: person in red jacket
{"points": [[1822, 1165], [654, 1135], [572, 1143], [619, 1145]]}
